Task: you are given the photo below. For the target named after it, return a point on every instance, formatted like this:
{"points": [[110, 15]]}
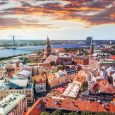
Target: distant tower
{"points": [[13, 42], [91, 47], [89, 41], [48, 47]]}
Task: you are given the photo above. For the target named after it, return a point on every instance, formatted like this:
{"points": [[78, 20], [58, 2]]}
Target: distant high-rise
{"points": [[91, 47], [89, 41], [13, 43]]}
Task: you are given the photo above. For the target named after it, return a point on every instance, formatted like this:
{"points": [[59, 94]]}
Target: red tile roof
{"points": [[58, 49], [106, 87], [53, 81], [80, 77], [39, 79], [35, 109], [80, 105], [51, 58], [113, 57], [45, 65]]}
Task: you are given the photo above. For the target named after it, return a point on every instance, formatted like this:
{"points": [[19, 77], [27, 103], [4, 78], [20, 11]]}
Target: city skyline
{"points": [[59, 19]]}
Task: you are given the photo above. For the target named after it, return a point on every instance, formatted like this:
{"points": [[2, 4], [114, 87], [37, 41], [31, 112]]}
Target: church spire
{"points": [[48, 42], [48, 47]]}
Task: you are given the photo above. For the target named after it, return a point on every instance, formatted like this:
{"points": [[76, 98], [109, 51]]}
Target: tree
{"points": [[84, 86], [73, 113], [56, 112], [60, 67], [65, 113], [25, 60], [45, 113]]}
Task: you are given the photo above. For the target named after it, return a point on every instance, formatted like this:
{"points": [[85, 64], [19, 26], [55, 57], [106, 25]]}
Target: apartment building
{"points": [[7, 89], [13, 104]]}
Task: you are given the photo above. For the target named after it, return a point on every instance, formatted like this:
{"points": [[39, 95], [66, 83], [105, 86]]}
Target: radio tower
{"points": [[13, 43]]}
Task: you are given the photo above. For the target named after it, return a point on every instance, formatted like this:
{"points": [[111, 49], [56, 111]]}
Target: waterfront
{"points": [[29, 49], [49, 79], [11, 52]]}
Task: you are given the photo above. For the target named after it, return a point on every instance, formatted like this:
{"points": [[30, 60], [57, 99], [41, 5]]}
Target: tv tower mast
{"points": [[13, 43]]}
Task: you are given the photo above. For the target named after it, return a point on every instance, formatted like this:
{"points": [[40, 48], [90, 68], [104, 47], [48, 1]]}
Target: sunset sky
{"points": [[59, 19]]}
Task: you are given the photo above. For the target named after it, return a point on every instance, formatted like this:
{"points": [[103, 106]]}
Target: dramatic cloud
{"points": [[91, 12], [14, 23]]}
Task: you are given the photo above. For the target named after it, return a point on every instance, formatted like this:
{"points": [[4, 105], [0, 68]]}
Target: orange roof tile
{"points": [[80, 105], [105, 86], [58, 49], [36, 108], [80, 77], [39, 78], [51, 58], [45, 65], [113, 57]]}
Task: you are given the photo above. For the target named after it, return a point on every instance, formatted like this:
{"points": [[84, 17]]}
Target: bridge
{"points": [[25, 48]]}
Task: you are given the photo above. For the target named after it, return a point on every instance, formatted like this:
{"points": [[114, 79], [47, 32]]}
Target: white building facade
{"points": [[13, 104], [40, 87]]}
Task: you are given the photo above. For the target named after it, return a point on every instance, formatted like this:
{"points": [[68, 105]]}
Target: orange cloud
{"points": [[92, 12]]}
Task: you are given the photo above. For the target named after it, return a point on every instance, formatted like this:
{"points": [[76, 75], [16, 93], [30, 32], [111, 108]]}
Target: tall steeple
{"points": [[48, 47], [48, 43]]}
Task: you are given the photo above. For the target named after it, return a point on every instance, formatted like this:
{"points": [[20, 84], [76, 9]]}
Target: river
{"points": [[29, 49]]}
